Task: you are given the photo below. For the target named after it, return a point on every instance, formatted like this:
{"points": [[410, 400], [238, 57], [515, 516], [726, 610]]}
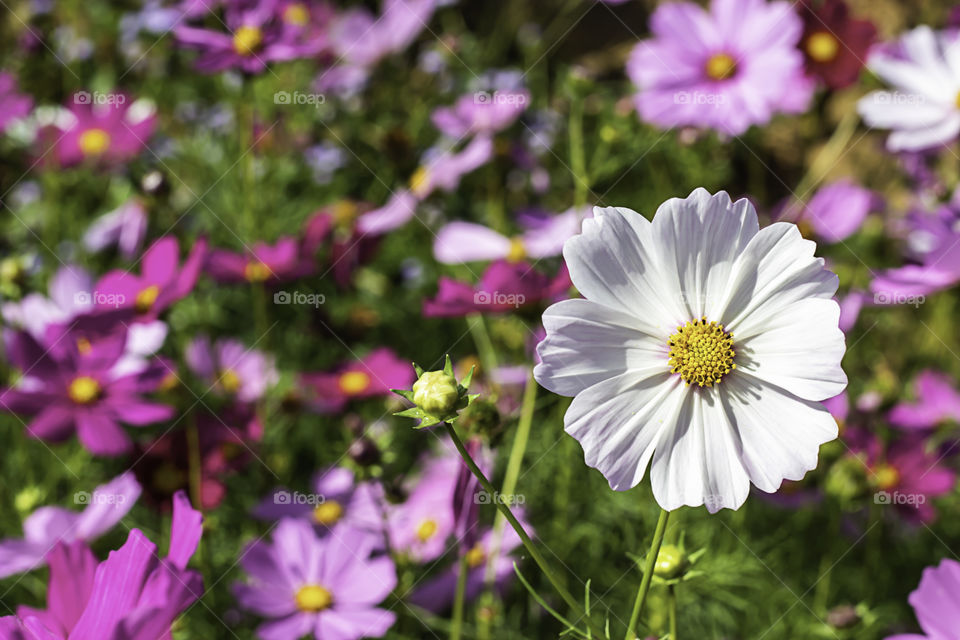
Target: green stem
{"points": [[524, 538], [481, 338], [578, 162], [457, 622], [672, 605], [647, 574]]}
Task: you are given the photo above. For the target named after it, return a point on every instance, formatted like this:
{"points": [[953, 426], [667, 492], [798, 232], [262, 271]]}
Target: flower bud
{"points": [[436, 393], [671, 562]]}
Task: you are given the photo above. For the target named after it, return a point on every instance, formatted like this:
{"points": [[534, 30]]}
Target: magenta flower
{"points": [[420, 526], [936, 602], [838, 209], [337, 500], [481, 113], [232, 368], [13, 105], [76, 388], [125, 227], [543, 237], [162, 280], [326, 587], [372, 376], [937, 401], [107, 132], [132, 595], [504, 286], [334, 229], [47, 526], [272, 264], [726, 69]]}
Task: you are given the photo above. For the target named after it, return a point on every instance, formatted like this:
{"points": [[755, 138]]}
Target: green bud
{"points": [[671, 562], [847, 479], [436, 393], [10, 269]]}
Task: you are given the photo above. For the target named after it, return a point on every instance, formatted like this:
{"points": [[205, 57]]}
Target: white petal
{"points": [[613, 262], [460, 242], [588, 343], [698, 239], [939, 134], [697, 461], [888, 110], [780, 434], [618, 422], [776, 269], [799, 348]]}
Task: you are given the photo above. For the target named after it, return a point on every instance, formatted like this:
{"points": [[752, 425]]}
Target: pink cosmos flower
{"points": [[75, 387], [132, 595], [936, 601], [332, 231], [273, 264], [838, 209], [481, 113], [125, 227], [504, 286], [162, 280], [372, 376], [47, 526], [13, 105], [726, 69], [103, 132], [232, 368], [543, 237], [937, 400], [421, 525], [326, 587]]}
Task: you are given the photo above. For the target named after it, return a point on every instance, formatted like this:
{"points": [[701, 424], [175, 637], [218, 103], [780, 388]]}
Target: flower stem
{"points": [[647, 574], [457, 621], [672, 605], [524, 538]]}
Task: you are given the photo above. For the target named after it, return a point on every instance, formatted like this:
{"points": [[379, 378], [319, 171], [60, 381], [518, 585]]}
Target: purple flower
{"points": [[273, 264], [460, 242], [327, 587], [419, 527], [103, 132], [161, 283], [936, 401], [481, 113], [838, 209], [125, 226], [47, 526], [231, 367], [372, 376], [13, 105], [338, 500], [936, 602], [132, 595], [504, 286], [726, 69], [75, 387]]}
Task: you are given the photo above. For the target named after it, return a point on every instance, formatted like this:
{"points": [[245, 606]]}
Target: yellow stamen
{"points": [[94, 142], [426, 530], [701, 352], [328, 513], [246, 40], [517, 251], [84, 390], [313, 598], [256, 271], [822, 46], [344, 211], [420, 182], [721, 66], [169, 382], [146, 298], [230, 381], [84, 346], [296, 14], [354, 382], [886, 477], [476, 556]]}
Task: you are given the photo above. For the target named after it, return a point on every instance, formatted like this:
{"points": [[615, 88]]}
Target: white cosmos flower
{"points": [[757, 418], [924, 110]]}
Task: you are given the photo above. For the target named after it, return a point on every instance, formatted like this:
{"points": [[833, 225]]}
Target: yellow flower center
{"points": [[344, 212], [420, 182], [822, 46], [94, 142], [246, 40], [146, 298], [476, 556], [328, 513], [426, 530], [721, 66], [169, 382], [886, 477], [517, 251], [313, 598], [957, 100], [84, 390], [701, 352], [256, 271], [354, 382], [296, 14], [84, 346], [230, 381]]}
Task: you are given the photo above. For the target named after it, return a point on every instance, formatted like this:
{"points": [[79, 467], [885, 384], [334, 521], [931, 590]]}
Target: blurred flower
{"points": [[374, 375], [13, 105], [324, 159], [420, 526], [459, 242], [338, 500], [481, 113], [937, 401], [45, 527], [504, 286], [162, 282], [324, 587], [272, 264], [725, 69], [103, 129], [132, 594], [834, 44], [923, 111], [936, 602], [75, 387], [838, 209], [228, 365], [125, 227], [695, 319], [334, 228]]}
